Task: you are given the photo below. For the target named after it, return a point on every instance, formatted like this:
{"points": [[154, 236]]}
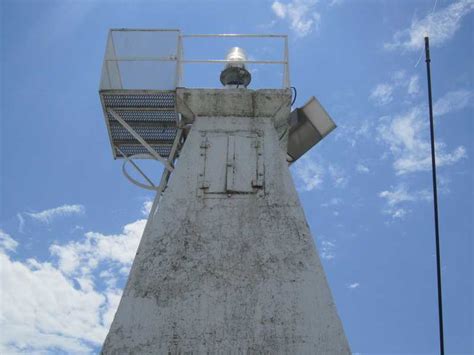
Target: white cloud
{"points": [[279, 9], [453, 101], [301, 15], [361, 168], [406, 136], [353, 134], [382, 94], [21, 222], [47, 216], [332, 202], [146, 208], [328, 250], [397, 212], [440, 26], [46, 311], [413, 85], [400, 195], [363, 130], [339, 177], [353, 285], [309, 173], [7, 243], [80, 258], [399, 77], [57, 305]]}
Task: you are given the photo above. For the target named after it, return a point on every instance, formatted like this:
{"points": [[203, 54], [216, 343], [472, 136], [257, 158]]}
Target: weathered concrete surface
{"points": [[227, 273], [274, 103], [233, 102]]}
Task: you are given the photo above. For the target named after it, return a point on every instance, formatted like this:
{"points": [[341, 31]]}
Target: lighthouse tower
{"points": [[226, 264]]}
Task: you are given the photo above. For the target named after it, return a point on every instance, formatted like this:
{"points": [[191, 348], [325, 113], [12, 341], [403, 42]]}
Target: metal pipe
{"points": [[286, 79], [174, 59], [246, 35], [435, 198], [230, 61], [145, 30], [136, 167]]}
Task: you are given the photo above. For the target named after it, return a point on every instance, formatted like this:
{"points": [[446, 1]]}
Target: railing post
{"points": [[286, 79]]}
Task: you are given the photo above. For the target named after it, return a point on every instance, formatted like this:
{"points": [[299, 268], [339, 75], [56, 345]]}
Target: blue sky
{"points": [[70, 223]]}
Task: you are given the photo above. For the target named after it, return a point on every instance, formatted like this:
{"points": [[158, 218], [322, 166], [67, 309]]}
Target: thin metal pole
{"points": [[286, 78], [242, 35], [435, 198]]}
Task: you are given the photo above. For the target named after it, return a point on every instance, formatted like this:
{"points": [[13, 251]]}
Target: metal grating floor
{"points": [[140, 99], [150, 113], [128, 149], [165, 134], [151, 116]]}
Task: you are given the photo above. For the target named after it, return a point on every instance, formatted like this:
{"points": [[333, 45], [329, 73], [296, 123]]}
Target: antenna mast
{"points": [[435, 198]]}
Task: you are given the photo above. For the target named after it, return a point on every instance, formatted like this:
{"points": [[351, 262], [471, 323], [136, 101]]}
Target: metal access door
{"points": [[231, 163]]}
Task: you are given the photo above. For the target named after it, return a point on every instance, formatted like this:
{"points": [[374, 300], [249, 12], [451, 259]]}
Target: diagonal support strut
{"points": [[148, 147]]}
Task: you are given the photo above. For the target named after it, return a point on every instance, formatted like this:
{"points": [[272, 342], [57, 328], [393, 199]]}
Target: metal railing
{"points": [[179, 57]]}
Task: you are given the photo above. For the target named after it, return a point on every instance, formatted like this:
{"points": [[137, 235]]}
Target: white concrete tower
{"points": [[226, 264]]}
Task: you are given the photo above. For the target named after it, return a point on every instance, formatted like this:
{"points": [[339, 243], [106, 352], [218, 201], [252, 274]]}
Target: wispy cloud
{"points": [[21, 222], [440, 26], [413, 86], [361, 168], [453, 101], [332, 202], [301, 15], [355, 133], [146, 208], [328, 250], [405, 135], [382, 94], [400, 195], [353, 286], [47, 216], [338, 176], [309, 173], [7, 243]]}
